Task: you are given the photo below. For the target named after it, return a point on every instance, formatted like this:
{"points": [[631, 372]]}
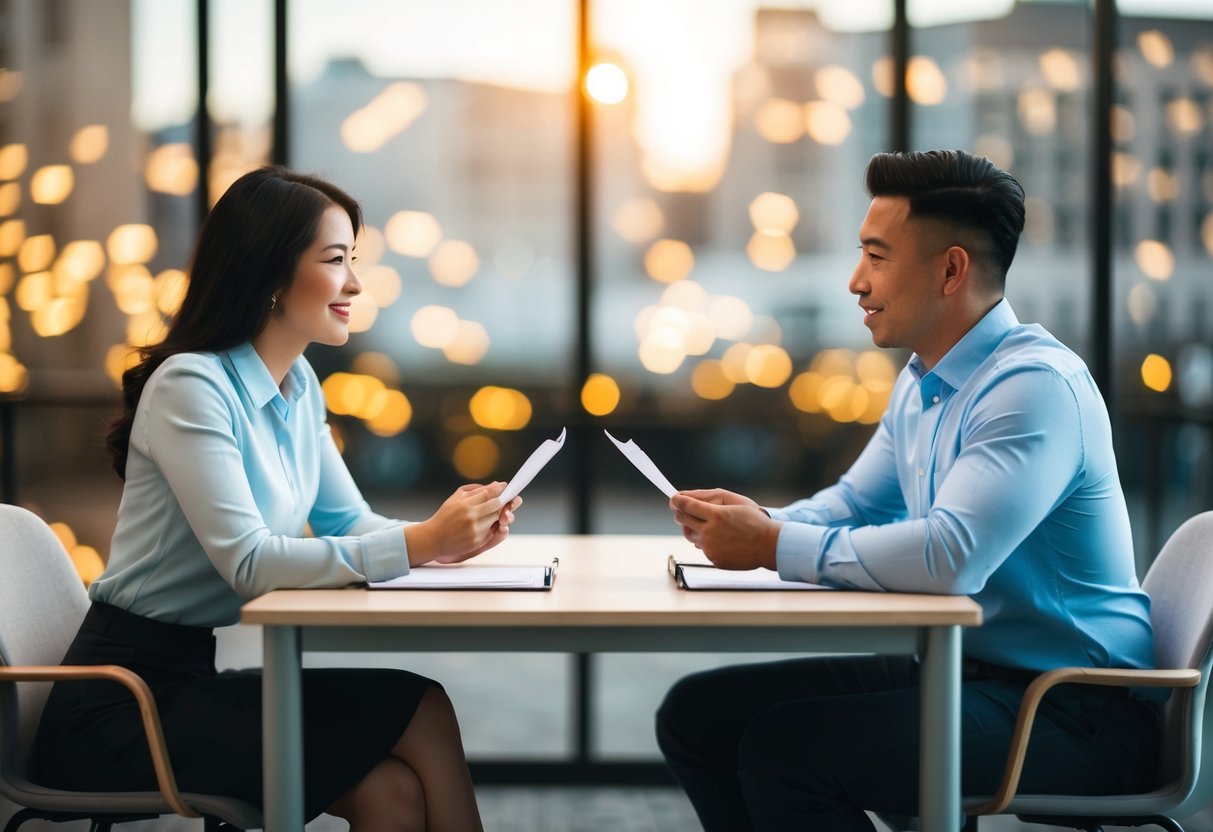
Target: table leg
{"points": [[282, 729], [939, 750]]}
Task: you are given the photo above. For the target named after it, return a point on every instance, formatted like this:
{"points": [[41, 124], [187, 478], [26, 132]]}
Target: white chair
{"points": [[1180, 586], [42, 602]]}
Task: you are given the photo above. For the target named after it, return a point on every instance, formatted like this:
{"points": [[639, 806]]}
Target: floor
{"points": [[569, 810]]}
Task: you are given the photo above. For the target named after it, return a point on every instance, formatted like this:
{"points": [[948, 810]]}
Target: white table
{"points": [[612, 594]]}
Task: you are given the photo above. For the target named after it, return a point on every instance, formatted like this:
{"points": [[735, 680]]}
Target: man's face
{"points": [[899, 279]]}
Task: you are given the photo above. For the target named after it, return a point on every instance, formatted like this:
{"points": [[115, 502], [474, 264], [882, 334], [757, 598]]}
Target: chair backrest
{"points": [[1180, 586], [42, 602]]}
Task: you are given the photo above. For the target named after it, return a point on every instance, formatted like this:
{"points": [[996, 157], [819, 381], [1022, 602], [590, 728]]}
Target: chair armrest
{"points": [[147, 709], [1112, 677]]}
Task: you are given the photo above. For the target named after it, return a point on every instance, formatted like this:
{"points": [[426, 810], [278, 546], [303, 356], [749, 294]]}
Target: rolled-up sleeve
{"points": [[1021, 446]]}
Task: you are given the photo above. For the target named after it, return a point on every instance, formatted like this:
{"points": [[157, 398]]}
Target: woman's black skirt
{"points": [[91, 737]]}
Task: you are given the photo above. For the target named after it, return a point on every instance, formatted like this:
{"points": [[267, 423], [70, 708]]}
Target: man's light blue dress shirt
{"points": [[991, 475], [225, 472]]}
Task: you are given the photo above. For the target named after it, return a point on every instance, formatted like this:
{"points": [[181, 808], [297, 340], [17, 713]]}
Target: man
{"points": [[991, 475]]}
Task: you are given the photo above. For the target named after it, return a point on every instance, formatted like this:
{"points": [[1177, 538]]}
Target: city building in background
{"points": [[727, 145]]}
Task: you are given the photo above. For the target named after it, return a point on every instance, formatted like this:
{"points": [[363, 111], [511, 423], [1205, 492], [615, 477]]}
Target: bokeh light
{"points": [[606, 83], [773, 213], [667, 261], [133, 243], [13, 159], [10, 198], [382, 283], [1184, 117], [709, 381], [1156, 48], [600, 394], [1038, 110], [840, 86], [770, 252], [768, 366], [475, 457], [89, 144], [454, 263], [925, 81], [638, 220], [393, 413], [500, 408], [826, 122], [470, 344], [434, 326], [413, 233], [36, 253], [844, 386], [172, 169], [1156, 373], [52, 184], [13, 375], [731, 316], [1061, 69], [780, 121], [1155, 259]]}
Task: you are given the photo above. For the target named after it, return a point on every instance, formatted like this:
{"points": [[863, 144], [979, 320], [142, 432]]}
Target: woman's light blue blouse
{"points": [[234, 487]]}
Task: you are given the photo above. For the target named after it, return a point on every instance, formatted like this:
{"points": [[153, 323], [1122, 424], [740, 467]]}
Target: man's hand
{"points": [[732, 530]]}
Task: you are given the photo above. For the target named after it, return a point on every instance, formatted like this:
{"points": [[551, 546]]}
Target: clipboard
{"points": [[474, 577], [704, 576]]}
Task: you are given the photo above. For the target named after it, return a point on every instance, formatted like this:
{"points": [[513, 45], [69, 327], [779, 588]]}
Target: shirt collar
{"points": [[258, 382], [969, 352]]}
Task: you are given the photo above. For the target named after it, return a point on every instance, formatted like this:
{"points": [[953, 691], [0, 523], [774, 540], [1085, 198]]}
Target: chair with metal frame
{"points": [[42, 603], [1180, 586]]}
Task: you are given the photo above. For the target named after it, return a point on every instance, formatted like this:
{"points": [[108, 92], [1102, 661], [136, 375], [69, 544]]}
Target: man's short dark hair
{"points": [[964, 191]]}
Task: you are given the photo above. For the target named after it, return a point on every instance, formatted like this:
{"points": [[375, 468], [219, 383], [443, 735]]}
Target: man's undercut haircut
{"points": [[964, 191]]}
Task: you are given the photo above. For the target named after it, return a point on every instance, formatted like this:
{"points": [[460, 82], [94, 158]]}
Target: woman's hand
{"points": [[470, 521], [499, 532]]}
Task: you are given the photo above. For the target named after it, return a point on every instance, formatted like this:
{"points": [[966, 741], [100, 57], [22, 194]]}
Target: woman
{"points": [[227, 461]]}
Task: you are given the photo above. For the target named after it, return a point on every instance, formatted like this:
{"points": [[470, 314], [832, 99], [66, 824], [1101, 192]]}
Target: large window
{"points": [[660, 248]]}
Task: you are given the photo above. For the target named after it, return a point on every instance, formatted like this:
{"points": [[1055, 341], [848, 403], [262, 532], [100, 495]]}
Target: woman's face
{"points": [[315, 307]]}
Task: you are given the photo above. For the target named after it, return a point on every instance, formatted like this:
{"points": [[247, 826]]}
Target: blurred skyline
{"points": [[675, 47]]}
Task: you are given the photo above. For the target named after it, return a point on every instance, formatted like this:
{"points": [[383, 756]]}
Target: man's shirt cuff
{"points": [[798, 550]]}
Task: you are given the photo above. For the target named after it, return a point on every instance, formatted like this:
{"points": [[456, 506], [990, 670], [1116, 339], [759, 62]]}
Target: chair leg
{"points": [[100, 826], [20, 818], [1090, 824]]}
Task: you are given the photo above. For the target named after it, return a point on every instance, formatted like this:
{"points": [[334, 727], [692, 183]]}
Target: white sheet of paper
{"points": [[533, 465], [645, 465], [467, 577]]}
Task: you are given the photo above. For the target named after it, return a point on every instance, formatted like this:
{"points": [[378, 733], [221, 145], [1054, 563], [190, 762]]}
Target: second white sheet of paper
{"points": [[645, 465]]}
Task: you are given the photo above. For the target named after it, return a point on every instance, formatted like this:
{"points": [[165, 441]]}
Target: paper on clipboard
{"points": [[465, 576], [533, 465], [693, 576], [645, 465]]}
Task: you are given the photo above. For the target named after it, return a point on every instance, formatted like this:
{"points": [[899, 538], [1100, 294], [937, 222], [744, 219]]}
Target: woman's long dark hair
{"points": [[248, 250]]}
